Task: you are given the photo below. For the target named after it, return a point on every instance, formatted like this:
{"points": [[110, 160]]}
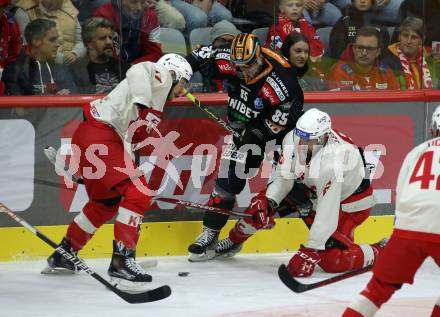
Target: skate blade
{"points": [[129, 286], [57, 271], [203, 257]]}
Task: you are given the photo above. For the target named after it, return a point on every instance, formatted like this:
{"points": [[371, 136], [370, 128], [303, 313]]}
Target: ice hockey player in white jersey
{"points": [[103, 145], [416, 234], [330, 167]]}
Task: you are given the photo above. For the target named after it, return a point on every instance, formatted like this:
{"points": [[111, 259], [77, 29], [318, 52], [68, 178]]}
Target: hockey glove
{"points": [[303, 262], [262, 210], [146, 124]]}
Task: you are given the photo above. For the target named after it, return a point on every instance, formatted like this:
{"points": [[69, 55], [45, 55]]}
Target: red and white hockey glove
{"points": [[261, 209], [146, 124], [303, 262]]}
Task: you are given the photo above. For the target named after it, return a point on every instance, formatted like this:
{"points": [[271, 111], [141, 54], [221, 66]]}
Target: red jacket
{"points": [[148, 46], [278, 33]]}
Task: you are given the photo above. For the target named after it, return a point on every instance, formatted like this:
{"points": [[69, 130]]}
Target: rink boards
{"points": [[386, 124], [173, 238]]}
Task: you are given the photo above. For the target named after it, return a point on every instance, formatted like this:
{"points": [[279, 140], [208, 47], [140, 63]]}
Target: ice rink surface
{"points": [[244, 286]]}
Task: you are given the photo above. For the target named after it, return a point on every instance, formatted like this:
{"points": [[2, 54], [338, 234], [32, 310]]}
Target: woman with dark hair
{"points": [[296, 49]]}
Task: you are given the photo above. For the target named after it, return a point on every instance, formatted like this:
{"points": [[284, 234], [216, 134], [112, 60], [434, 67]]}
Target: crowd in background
{"points": [[67, 47]]}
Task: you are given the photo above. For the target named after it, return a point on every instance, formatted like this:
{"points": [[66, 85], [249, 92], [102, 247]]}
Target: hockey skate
{"points": [[123, 269], [203, 249], [227, 248], [58, 264]]}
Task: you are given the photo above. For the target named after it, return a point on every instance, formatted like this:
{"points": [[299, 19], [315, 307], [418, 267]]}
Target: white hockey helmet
{"points": [[313, 124], [435, 122], [178, 64]]}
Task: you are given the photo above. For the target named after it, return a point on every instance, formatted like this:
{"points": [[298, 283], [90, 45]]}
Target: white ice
{"points": [[246, 285]]}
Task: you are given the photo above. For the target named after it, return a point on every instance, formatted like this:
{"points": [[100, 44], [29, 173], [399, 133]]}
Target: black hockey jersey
{"points": [[274, 94]]}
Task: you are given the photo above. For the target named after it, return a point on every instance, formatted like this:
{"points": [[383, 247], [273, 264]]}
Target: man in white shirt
{"points": [[416, 234]]}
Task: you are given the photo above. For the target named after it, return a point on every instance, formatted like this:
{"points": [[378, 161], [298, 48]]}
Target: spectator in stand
{"points": [[64, 14], [434, 64], [87, 7], [386, 11], [98, 72], [428, 12], [290, 19], [10, 39], [296, 49], [321, 12], [222, 34], [33, 72], [201, 13], [407, 57], [169, 16], [356, 15], [137, 30], [363, 71]]}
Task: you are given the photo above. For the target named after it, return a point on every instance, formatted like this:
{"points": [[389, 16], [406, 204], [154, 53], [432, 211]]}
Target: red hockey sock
{"points": [[436, 311], [351, 313], [77, 237], [83, 227], [378, 292]]}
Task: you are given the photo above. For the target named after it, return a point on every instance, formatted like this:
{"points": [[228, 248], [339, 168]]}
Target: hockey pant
{"points": [[111, 190], [397, 264], [341, 254]]}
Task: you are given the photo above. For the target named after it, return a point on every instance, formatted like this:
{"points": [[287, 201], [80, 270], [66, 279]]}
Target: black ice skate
{"points": [[203, 249], [58, 264], [124, 267], [227, 248]]}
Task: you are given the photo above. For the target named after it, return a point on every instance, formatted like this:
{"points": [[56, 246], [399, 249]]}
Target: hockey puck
{"points": [[183, 273]]}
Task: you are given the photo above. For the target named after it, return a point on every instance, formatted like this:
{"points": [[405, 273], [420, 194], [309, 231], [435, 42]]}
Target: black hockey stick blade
{"points": [[131, 297], [299, 287], [185, 203], [152, 295]]}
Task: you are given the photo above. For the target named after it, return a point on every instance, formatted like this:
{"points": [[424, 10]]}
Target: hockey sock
{"points": [[436, 309], [130, 213], [379, 292], [361, 307], [85, 224], [241, 232]]}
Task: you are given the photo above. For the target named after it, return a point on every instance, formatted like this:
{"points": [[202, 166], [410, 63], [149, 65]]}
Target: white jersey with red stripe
{"points": [[418, 193], [334, 173], [146, 83]]}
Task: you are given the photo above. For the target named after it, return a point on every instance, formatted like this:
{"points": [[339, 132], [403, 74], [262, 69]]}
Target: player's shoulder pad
{"points": [[276, 57]]}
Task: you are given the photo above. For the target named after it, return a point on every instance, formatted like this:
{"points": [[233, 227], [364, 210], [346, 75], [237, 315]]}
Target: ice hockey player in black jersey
{"points": [[265, 101]]}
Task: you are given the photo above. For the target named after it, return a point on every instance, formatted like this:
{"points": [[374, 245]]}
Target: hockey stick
{"points": [[132, 298], [299, 287], [216, 118], [203, 207], [51, 155]]}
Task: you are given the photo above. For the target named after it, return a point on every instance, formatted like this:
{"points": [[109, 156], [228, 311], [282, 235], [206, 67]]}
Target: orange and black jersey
{"points": [[274, 94]]}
